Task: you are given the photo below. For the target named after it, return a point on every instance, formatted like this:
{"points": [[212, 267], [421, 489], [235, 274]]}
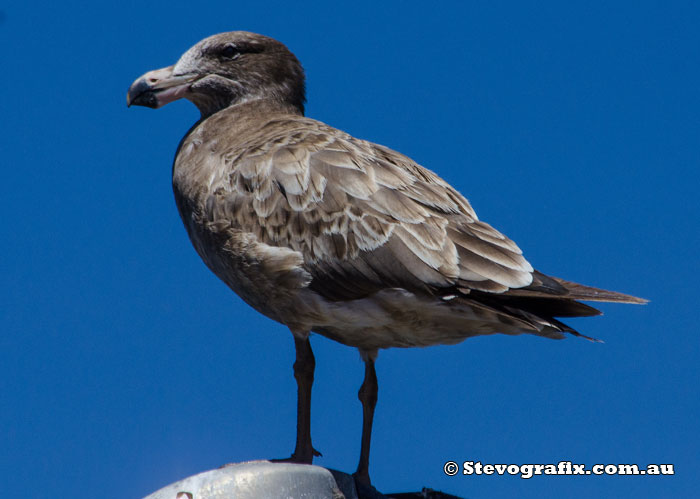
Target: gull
{"points": [[327, 233]]}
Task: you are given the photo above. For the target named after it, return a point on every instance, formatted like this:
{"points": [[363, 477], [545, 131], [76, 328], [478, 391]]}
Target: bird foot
{"points": [[299, 457], [362, 477]]}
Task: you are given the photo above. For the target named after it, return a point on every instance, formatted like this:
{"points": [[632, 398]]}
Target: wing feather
{"points": [[357, 210]]}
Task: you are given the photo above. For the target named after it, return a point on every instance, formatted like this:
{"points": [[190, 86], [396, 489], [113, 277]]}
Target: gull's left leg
{"points": [[304, 367]]}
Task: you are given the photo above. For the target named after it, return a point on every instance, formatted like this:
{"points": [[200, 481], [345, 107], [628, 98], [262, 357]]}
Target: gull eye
{"points": [[230, 52]]}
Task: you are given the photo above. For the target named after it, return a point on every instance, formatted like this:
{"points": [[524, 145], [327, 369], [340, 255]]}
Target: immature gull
{"points": [[327, 233]]}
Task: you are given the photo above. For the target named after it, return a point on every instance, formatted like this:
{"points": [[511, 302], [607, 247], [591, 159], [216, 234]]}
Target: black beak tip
{"points": [[141, 94]]}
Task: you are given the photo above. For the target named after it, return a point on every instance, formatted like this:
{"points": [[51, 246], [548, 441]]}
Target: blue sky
{"points": [[572, 128]]}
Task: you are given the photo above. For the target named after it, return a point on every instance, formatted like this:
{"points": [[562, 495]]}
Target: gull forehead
{"points": [[189, 59]]}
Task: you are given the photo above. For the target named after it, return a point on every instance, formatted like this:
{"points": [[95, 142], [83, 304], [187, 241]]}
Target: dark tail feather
{"points": [[587, 293], [549, 306], [554, 288], [570, 330]]}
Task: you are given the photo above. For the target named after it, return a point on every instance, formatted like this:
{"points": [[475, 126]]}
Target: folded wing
{"points": [[367, 218]]}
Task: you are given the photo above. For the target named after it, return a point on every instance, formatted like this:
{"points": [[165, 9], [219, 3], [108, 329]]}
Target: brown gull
{"points": [[330, 234]]}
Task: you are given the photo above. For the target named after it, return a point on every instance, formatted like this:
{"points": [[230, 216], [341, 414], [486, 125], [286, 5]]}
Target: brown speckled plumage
{"points": [[328, 233]]}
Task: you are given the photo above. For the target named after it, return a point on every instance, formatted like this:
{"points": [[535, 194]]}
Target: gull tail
{"points": [[547, 298]]}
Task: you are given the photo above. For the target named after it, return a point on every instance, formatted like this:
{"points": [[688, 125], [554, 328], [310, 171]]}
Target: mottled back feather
{"points": [[365, 218]]}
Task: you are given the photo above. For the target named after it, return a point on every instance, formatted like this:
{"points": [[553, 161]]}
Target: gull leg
{"points": [[368, 397], [304, 374]]}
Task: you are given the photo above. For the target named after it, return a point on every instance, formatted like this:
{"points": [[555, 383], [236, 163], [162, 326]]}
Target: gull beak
{"points": [[159, 87]]}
